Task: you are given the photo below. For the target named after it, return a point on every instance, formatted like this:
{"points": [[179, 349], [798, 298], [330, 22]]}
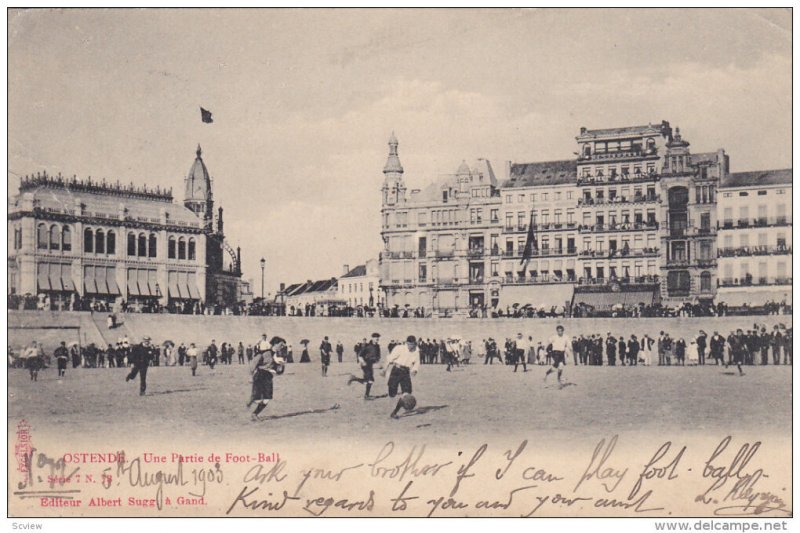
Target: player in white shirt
{"points": [[560, 345], [192, 353], [403, 362]]}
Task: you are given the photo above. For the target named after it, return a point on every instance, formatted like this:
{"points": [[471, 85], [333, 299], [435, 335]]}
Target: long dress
{"points": [[305, 358]]}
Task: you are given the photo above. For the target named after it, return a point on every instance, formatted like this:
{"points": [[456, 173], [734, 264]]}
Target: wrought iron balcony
{"points": [[745, 251]]}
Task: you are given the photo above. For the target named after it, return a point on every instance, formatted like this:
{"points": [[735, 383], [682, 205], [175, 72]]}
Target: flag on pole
{"points": [[205, 115], [530, 242]]}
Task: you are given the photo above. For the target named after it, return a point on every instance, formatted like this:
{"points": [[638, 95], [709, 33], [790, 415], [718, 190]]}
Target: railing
{"points": [[537, 280], [444, 253], [619, 154], [552, 226], [619, 200], [397, 255], [749, 282], [476, 252], [602, 180], [636, 226], [630, 280], [744, 251], [677, 261], [608, 254], [754, 223]]}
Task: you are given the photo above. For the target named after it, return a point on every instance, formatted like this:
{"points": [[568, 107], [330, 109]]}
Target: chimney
{"points": [[345, 270], [508, 170], [283, 287], [583, 130]]}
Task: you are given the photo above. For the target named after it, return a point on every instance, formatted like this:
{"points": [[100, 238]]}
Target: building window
{"points": [[705, 281], [111, 243], [131, 244], [99, 242], [744, 193], [192, 253], [171, 248], [494, 215], [54, 237], [181, 248], [88, 241], [66, 239], [153, 245], [142, 248], [41, 237]]}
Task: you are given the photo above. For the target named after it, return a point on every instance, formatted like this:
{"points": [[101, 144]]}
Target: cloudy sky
{"points": [[305, 100]]}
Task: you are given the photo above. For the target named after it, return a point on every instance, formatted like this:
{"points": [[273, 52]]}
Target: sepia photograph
{"points": [[450, 263]]}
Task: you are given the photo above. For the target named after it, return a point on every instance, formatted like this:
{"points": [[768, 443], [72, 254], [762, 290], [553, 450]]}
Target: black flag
{"points": [[530, 242], [205, 115]]}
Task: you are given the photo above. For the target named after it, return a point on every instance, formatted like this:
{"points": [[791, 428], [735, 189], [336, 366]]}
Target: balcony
{"points": [[537, 280], [754, 223], [747, 251], [629, 178], [619, 200], [602, 228], [551, 226], [750, 282], [677, 262], [633, 153], [444, 254], [610, 254], [397, 255], [476, 252], [605, 284]]}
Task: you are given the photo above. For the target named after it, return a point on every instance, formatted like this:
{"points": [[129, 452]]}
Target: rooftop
{"points": [[542, 174], [360, 270], [757, 178]]}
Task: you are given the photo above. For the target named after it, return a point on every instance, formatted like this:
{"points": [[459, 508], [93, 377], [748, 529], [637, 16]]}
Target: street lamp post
{"points": [[263, 264]]}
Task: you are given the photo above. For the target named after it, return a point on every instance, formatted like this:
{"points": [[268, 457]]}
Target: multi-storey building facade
{"points": [[359, 286], [545, 195], [436, 240], [72, 239], [632, 220], [754, 224]]}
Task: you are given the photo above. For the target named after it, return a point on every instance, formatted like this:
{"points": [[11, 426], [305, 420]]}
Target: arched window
{"points": [[152, 245], [181, 248], [41, 237], [88, 240], [171, 248], [17, 238], [142, 245], [55, 237], [100, 242], [192, 253], [131, 244], [111, 243], [651, 144], [66, 239], [705, 281]]}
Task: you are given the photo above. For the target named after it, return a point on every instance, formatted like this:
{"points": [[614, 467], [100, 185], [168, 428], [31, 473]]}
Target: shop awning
{"points": [[174, 287], [43, 280], [66, 278], [194, 293], [111, 281], [144, 289], [754, 298], [152, 283], [536, 295], [100, 280], [133, 283], [89, 281], [54, 273], [599, 301], [634, 298]]}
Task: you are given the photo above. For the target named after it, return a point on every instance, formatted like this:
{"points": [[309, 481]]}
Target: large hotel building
{"points": [[635, 218], [71, 239]]}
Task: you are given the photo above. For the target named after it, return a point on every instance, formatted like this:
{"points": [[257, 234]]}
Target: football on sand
{"points": [[409, 402]]}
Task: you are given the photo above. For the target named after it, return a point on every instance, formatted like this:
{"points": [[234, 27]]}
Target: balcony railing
{"points": [[608, 254], [550, 226], [619, 200], [629, 178], [750, 282], [745, 251], [754, 223], [619, 154], [537, 280], [636, 226], [397, 255], [608, 282]]}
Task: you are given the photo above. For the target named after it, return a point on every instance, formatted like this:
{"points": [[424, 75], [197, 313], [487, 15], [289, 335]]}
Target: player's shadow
{"points": [[300, 413], [175, 391], [424, 410], [728, 373]]}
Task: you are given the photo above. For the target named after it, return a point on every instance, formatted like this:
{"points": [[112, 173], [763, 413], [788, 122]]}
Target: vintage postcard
{"points": [[400, 263]]}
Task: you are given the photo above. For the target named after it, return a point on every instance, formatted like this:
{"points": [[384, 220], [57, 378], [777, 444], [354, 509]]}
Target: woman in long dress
{"points": [[304, 357], [265, 365]]}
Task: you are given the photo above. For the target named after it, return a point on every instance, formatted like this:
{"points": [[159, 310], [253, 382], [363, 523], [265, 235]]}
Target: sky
{"points": [[304, 102]]}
